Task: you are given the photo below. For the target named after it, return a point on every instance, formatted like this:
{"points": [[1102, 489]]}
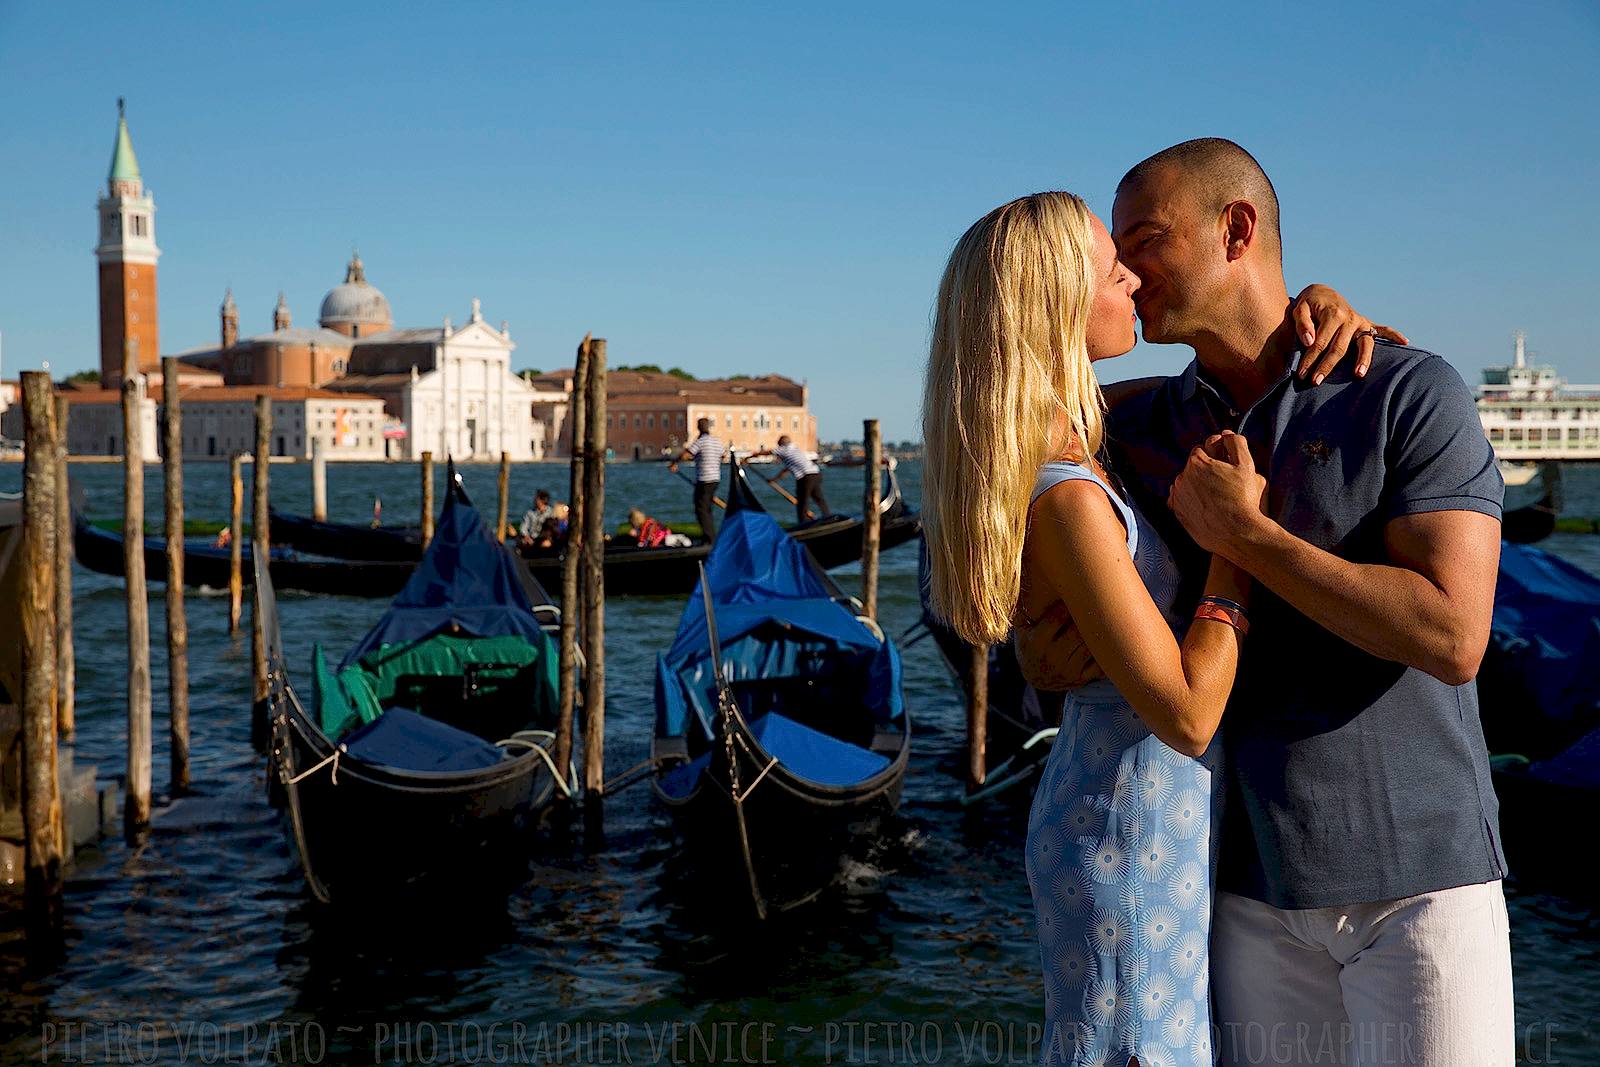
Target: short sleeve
{"points": [[693, 447], [1439, 458]]}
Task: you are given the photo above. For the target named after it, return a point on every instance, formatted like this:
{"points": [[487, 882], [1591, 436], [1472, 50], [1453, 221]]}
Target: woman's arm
{"points": [[1077, 551]]}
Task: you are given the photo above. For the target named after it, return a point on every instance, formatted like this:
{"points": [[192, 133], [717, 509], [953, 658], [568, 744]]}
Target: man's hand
{"points": [[1052, 653], [673, 466], [1218, 495]]}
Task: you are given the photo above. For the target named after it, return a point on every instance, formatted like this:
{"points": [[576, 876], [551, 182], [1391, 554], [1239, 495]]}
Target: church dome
{"points": [[355, 304]]}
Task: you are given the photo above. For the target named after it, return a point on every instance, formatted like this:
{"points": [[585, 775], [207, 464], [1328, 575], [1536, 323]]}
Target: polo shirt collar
{"points": [[1193, 378]]}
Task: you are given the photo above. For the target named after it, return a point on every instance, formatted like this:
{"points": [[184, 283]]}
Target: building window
{"points": [[650, 420], [636, 422], [727, 420], [744, 422], [680, 420], [794, 422], [1536, 435], [1515, 434]]}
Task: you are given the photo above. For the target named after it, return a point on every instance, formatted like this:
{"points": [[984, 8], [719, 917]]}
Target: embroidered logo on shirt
{"points": [[1317, 451]]}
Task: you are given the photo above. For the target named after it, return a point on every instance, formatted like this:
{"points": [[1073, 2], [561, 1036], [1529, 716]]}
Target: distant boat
{"points": [[833, 541], [424, 759], [1530, 413], [781, 733]]}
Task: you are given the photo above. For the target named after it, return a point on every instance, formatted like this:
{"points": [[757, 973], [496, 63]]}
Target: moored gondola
{"points": [[781, 735], [205, 565], [833, 541], [422, 765]]}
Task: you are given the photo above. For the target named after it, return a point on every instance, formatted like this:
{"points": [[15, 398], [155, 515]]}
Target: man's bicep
{"points": [[1457, 551]]}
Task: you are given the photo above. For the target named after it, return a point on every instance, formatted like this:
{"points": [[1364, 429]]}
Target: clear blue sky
{"points": [[751, 188]]}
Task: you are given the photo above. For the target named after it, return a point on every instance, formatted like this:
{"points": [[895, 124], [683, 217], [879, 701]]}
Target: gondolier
{"points": [[807, 477], [707, 451]]}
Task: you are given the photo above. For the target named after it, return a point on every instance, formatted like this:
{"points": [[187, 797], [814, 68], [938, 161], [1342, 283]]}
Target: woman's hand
{"points": [[1326, 324], [1218, 495]]}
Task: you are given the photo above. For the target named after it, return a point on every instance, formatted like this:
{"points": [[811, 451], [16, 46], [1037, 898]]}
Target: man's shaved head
{"points": [[1216, 172]]}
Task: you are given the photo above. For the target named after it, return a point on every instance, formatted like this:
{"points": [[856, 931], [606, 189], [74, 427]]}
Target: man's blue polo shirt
{"points": [[1350, 778]]}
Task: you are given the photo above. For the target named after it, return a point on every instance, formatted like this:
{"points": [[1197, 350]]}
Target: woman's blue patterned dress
{"points": [[1119, 861]]}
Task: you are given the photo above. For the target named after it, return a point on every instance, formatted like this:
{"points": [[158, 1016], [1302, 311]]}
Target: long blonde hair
{"points": [[1009, 386]]}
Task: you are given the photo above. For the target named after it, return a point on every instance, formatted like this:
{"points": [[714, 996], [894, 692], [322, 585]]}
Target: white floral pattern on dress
{"points": [[1118, 859]]}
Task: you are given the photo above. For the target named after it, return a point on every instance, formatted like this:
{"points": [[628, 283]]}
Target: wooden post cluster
{"points": [[977, 717], [235, 537], [427, 499], [871, 520], [319, 480], [260, 537], [505, 497], [177, 621], [43, 829], [66, 660], [571, 599], [594, 573], [136, 802]]}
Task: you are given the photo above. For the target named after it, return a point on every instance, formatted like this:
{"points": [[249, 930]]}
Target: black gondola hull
{"points": [[798, 831], [365, 834]]}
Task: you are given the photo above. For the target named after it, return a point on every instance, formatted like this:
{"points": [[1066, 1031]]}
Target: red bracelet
{"points": [[1217, 613]]}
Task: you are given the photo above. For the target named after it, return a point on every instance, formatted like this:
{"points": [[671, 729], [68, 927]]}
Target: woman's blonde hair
{"points": [[1009, 386]]}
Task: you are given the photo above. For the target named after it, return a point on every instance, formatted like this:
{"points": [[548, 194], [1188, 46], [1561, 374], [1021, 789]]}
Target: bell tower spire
{"points": [[127, 255]]}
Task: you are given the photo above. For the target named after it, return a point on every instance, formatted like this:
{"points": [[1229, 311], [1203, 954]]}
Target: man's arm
{"points": [[1429, 608], [1431, 604]]}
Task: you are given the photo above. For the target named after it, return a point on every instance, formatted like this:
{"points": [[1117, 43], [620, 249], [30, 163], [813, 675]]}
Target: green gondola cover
{"points": [[394, 675]]}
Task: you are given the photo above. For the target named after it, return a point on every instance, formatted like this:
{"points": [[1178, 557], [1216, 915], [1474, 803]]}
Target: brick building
{"points": [[650, 414]]}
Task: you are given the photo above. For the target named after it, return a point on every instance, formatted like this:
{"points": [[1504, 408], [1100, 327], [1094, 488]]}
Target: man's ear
{"points": [[1239, 228]]}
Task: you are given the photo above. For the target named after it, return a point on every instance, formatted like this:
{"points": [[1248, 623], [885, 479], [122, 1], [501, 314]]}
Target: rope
{"points": [[752, 786], [524, 738], [630, 776], [333, 776], [872, 624]]}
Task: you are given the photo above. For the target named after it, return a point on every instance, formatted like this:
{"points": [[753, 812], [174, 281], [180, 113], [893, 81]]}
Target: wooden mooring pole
{"points": [[871, 521], [977, 717], [177, 621], [136, 802], [319, 480], [427, 499], [594, 574], [66, 660], [571, 599], [260, 539], [505, 497], [43, 829], [235, 536]]}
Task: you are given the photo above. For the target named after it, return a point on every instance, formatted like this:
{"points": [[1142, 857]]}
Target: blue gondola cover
{"points": [[777, 618], [1547, 622], [466, 579], [402, 738]]}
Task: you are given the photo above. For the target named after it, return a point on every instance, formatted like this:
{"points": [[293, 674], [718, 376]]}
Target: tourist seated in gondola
{"points": [[532, 526], [650, 533]]}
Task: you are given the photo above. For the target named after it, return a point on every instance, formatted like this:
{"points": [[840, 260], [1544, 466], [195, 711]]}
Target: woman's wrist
{"points": [[1228, 581]]}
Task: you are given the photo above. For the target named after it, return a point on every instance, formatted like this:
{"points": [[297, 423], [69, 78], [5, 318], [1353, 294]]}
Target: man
{"points": [[1359, 916], [533, 519], [807, 477], [707, 451]]}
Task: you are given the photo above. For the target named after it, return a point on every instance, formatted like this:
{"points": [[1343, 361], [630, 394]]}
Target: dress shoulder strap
{"points": [[1057, 471]]}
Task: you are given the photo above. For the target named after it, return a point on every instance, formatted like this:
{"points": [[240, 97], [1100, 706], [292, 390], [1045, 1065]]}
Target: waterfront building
{"points": [[650, 414], [1530, 413]]}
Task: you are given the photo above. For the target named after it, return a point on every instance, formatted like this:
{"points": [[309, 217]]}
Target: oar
{"points": [[788, 495], [717, 500], [728, 713]]}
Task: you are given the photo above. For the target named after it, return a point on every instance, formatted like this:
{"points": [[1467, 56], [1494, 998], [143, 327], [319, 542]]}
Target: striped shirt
{"points": [[707, 451], [795, 461]]}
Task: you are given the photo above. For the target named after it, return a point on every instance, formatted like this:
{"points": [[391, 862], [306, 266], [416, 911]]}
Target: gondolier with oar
{"points": [[807, 478], [707, 451]]}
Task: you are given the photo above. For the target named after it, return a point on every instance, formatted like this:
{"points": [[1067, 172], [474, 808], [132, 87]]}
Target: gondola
{"points": [[205, 565], [1021, 722], [833, 541], [423, 763], [781, 735]]}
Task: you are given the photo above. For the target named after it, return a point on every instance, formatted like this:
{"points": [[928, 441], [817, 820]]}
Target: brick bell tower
{"points": [[127, 256]]}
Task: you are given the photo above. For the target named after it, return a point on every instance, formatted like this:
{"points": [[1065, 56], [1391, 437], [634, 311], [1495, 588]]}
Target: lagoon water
{"points": [[203, 945]]}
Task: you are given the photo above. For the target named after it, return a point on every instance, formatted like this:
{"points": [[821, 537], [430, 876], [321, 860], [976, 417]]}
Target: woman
{"points": [[1019, 516]]}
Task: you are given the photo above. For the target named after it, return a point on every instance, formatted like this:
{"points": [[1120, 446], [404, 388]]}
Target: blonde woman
{"points": [[1021, 517]]}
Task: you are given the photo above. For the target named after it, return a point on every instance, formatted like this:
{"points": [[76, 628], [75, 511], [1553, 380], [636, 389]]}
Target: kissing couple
{"points": [[1266, 832]]}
